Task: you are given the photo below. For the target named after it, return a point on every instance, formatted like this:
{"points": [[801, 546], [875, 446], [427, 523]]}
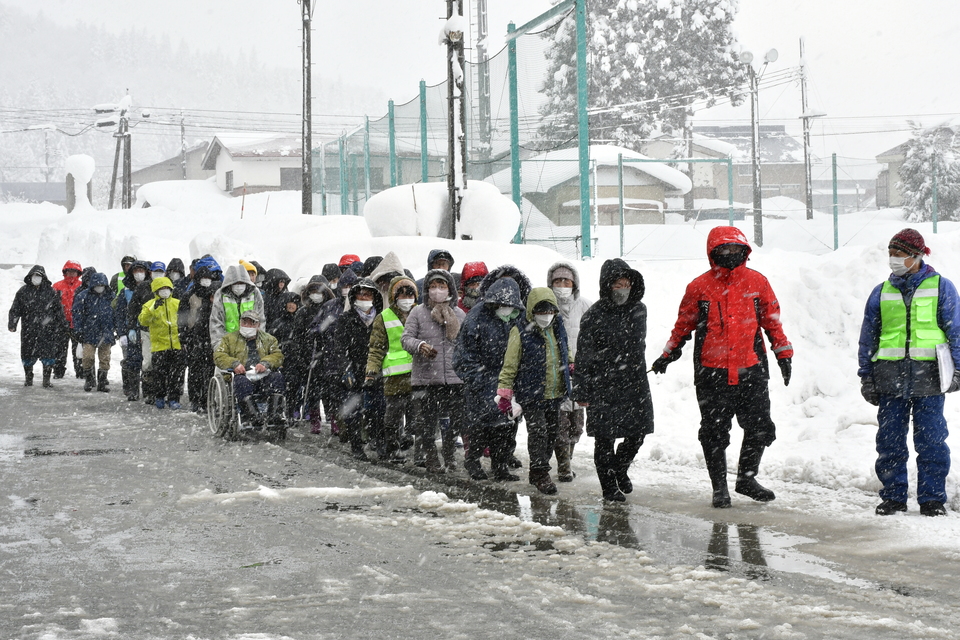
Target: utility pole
{"points": [[755, 155], [806, 132], [121, 163], [483, 82], [306, 186], [688, 198], [183, 148], [456, 116]]}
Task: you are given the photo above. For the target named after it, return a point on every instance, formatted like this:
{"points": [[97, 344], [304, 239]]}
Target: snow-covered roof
{"points": [[243, 144], [776, 145], [545, 171]]}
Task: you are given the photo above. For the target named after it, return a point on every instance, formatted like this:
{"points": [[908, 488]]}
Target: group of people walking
{"points": [[388, 362]]}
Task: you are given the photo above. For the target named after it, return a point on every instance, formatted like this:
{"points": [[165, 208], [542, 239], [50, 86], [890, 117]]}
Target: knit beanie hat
{"points": [[909, 241]]}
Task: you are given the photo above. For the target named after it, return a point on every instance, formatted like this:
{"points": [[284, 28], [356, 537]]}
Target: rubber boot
{"points": [[448, 449], [28, 376], [746, 475], [88, 380], [249, 411], [275, 410], [541, 480], [102, 383], [716, 461], [608, 484], [47, 372], [563, 453]]}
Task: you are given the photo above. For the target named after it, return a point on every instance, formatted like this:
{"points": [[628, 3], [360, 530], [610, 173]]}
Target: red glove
{"points": [[504, 405]]}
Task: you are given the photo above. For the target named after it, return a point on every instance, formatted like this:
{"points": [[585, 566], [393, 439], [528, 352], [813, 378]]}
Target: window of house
{"points": [[228, 178], [791, 189]]}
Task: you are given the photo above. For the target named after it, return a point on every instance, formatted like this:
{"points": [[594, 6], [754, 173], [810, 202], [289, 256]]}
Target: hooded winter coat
{"points": [[422, 327], [161, 319], [194, 320], [323, 325], [390, 265], [251, 297], [41, 315], [507, 271], [431, 257], [481, 344], [124, 318], [272, 294], [283, 325], [93, 313], [611, 369], [535, 364], [572, 308], [379, 345], [307, 342], [729, 308], [68, 288], [352, 334], [181, 284]]}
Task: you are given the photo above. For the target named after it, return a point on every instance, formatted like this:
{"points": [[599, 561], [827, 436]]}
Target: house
{"points": [[253, 163], [888, 195], [53, 192], [186, 166], [706, 177], [551, 182]]}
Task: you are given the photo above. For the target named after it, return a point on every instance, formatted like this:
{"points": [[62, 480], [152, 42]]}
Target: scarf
{"points": [[442, 314]]}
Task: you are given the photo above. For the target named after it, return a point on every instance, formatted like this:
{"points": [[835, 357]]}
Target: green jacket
{"points": [[552, 370], [161, 320], [232, 350]]}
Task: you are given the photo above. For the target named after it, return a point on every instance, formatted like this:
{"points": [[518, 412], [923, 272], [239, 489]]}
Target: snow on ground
{"points": [[822, 462]]}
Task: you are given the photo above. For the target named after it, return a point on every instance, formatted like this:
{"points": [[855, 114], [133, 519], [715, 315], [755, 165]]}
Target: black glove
{"points": [[786, 368], [157, 304], [869, 391], [660, 364], [955, 385], [348, 380]]}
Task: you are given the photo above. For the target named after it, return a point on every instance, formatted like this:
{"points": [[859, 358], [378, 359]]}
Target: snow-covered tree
{"points": [[648, 61], [929, 152]]}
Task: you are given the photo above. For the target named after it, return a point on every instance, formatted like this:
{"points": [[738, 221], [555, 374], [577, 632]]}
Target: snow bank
{"points": [[419, 209]]}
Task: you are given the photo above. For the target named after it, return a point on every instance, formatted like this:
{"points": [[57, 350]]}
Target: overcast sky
{"points": [[872, 63]]}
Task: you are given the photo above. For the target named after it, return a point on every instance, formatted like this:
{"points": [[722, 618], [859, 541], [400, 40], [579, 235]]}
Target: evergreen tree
{"points": [[930, 152], [648, 62]]}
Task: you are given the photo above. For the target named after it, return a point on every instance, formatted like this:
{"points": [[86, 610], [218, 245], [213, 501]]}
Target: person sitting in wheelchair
{"points": [[254, 357]]}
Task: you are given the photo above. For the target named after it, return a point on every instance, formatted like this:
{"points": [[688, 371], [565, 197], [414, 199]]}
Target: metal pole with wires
{"points": [[306, 185]]}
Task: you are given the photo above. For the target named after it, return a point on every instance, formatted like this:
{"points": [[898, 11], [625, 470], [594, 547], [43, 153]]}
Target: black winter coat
{"points": [[352, 336], [39, 311], [611, 368]]}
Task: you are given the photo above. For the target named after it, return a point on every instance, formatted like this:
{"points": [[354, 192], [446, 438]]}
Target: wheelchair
{"points": [[224, 418]]}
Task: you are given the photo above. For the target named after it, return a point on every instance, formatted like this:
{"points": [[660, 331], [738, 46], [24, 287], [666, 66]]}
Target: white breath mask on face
{"points": [[205, 282], [174, 276], [98, 289], [563, 293], [345, 291], [898, 267], [439, 295], [36, 280], [248, 332], [238, 288], [503, 312], [164, 293], [543, 320], [156, 274], [405, 304], [139, 276], [316, 297], [363, 305]]}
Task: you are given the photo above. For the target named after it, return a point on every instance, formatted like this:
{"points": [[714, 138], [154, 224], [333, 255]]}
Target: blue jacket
{"points": [[93, 317], [481, 344], [908, 378]]}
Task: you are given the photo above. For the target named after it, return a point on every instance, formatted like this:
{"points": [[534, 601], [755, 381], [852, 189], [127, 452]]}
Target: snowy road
{"points": [[122, 521]]}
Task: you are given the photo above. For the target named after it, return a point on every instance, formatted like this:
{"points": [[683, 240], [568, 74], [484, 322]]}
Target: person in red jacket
{"points": [[728, 307], [68, 346]]}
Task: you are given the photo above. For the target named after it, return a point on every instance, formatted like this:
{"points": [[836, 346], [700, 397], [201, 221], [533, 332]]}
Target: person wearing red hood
{"points": [[470, 279], [728, 307], [68, 345]]}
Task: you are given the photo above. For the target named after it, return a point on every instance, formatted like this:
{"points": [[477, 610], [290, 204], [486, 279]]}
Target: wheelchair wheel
{"points": [[221, 408]]}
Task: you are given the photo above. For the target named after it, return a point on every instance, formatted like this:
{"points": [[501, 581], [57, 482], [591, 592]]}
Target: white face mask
{"points": [[345, 291], [439, 295], [248, 332], [139, 276], [504, 312], [563, 293], [205, 282], [316, 297], [36, 280], [157, 274], [405, 304], [363, 305], [174, 276], [898, 267], [238, 288], [164, 293], [543, 320], [98, 289]]}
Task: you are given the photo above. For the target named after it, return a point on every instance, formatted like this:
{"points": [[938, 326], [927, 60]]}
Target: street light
{"points": [[747, 58]]}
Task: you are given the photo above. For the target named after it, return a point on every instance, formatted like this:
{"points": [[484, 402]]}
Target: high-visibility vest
{"points": [[232, 312], [120, 285], [397, 361], [924, 333]]}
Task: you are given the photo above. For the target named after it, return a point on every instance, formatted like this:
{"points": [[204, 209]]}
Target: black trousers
{"points": [[199, 371], [168, 369], [543, 425], [748, 401]]}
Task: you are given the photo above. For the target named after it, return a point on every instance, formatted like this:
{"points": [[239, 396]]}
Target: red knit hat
{"points": [[348, 259], [909, 241]]}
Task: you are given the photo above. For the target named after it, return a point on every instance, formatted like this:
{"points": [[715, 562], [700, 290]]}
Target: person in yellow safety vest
{"points": [[389, 365], [116, 282], [909, 346], [236, 295], [159, 316]]}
